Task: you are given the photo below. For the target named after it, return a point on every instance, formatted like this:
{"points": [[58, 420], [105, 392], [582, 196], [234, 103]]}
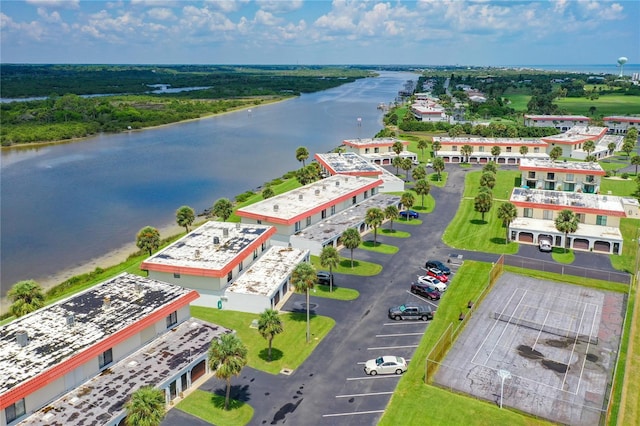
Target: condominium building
{"points": [[560, 122], [352, 164], [451, 149], [572, 176], [378, 150], [620, 124]]}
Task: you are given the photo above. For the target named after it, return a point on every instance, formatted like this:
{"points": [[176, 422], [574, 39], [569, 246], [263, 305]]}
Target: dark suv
{"points": [[425, 290], [411, 312], [437, 265], [323, 277]]}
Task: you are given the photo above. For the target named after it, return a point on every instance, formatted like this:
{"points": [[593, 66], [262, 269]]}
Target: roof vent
{"points": [[225, 232], [106, 302], [22, 338], [216, 241], [71, 320], [324, 187], [300, 197], [275, 207], [337, 183], [237, 225], [139, 288], [317, 192], [197, 254]]}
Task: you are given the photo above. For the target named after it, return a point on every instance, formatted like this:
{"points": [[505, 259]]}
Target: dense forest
{"points": [[71, 107]]}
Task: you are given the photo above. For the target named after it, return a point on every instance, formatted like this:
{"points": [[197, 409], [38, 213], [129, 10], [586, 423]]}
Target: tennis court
{"points": [[552, 345]]}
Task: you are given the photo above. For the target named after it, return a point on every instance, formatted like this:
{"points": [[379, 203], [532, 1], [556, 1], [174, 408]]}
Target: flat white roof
{"points": [[51, 341], [347, 163], [373, 142], [557, 117], [212, 246], [488, 141], [266, 275], [568, 166], [102, 398], [302, 201], [609, 204], [577, 134], [622, 118]]}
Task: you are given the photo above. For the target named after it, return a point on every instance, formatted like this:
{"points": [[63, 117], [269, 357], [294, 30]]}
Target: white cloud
{"points": [[266, 18], [279, 6], [161, 14], [225, 6], [53, 17]]}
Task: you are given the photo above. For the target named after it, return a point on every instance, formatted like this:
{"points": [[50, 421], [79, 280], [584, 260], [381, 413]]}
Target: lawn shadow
{"points": [[370, 244], [300, 315], [276, 354], [238, 395], [498, 240], [387, 231], [346, 263], [517, 182], [478, 222]]}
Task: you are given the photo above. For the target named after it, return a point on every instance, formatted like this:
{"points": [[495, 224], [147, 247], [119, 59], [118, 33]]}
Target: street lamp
{"points": [[504, 374]]}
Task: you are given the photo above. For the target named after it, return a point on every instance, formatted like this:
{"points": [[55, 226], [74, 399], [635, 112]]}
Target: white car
{"points": [[545, 244], [433, 282], [385, 365]]}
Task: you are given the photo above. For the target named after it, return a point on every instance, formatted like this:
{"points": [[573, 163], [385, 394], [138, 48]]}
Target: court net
{"points": [[558, 331]]}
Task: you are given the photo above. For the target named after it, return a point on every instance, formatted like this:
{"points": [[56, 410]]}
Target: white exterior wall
{"points": [[620, 127], [191, 281], [589, 218], [246, 302], [579, 181], [314, 247]]}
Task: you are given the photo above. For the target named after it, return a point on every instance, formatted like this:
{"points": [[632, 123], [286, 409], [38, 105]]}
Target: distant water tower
{"points": [[621, 61]]}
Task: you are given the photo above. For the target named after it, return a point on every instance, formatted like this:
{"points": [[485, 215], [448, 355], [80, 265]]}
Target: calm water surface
{"points": [[63, 205]]}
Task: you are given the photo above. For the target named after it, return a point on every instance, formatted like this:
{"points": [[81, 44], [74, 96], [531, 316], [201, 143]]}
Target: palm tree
{"points": [[185, 216], [148, 239], [483, 203], [146, 407], [302, 154], [611, 147], [495, 151], [507, 212], [488, 179], [566, 222], [635, 160], [391, 213], [466, 150], [223, 209], [269, 326], [438, 166], [628, 146], [418, 173], [422, 144], [422, 188], [436, 146], [589, 147], [524, 150], [351, 239], [406, 164], [407, 201], [396, 162], [26, 297], [397, 147], [329, 258], [227, 356], [373, 218], [490, 167], [555, 153], [303, 279]]}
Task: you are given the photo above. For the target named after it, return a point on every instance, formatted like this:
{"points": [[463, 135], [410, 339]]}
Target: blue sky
{"points": [[428, 32]]}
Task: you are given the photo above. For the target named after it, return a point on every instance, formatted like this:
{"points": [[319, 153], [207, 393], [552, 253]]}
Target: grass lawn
{"points": [[379, 247], [626, 393], [561, 255], [620, 187], [433, 179], [467, 231], [338, 293], [393, 233], [506, 180], [571, 279], [210, 408], [605, 105], [360, 267], [627, 260], [289, 349], [412, 395], [518, 101]]}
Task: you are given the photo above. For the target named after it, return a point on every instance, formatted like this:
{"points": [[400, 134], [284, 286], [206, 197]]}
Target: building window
{"points": [[532, 175], [373, 191], [259, 222], [308, 220], [15, 411], [333, 210], [569, 186], [105, 358], [176, 275], [547, 214], [528, 212], [376, 150], [551, 176], [569, 177], [323, 214], [508, 149], [229, 276], [601, 220], [264, 245], [354, 199], [366, 194], [297, 226], [255, 254], [172, 319], [580, 217], [481, 149], [590, 178], [536, 150], [240, 266], [366, 150], [454, 148]]}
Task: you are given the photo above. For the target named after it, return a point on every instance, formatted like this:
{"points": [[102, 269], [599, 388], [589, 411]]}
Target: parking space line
{"points": [[354, 413], [424, 299], [390, 376], [399, 334], [391, 347], [364, 394]]}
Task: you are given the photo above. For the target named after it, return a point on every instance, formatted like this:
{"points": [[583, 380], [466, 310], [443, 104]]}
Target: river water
{"points": [[65, 204]]}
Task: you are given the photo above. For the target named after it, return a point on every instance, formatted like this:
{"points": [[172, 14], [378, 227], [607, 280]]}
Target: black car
{"points": [[425, 290], [437, 265], [411, 312], [323, 277]]}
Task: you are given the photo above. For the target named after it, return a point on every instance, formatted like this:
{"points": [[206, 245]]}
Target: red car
{"points": [[438, 274]]}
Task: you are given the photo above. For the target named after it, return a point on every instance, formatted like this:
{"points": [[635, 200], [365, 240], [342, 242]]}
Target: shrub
{"points": [[625, 175], [607, 173]]}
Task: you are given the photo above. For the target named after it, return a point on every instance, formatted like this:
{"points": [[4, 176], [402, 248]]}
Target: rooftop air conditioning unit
{"points": [[216, 241], [71, 320], [275, 207], [317, 192], [225, 232], [237, 225], [106, 302], [22, 338], [300, 197]]}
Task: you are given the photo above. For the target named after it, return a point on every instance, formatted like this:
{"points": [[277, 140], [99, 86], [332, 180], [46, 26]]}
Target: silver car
{"points": [[432, 282], [385, 365]]}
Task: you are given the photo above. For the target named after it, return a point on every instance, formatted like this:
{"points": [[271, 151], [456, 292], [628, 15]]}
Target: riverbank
{"points": [[265, 101]]}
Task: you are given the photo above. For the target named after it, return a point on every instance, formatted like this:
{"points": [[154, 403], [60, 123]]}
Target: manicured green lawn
{"points": [[467, 231], [570, 279], [210, 408], [627, 260], [605, 105], [620, 187], [289, 349], [506, 180], [561, 255], [393, 232], [360, 267], [433, 179], [412, 395], [338, 293], [519, 101], [379, 247]]}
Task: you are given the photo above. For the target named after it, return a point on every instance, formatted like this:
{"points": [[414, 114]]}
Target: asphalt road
{"points": [[331, 388]]}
